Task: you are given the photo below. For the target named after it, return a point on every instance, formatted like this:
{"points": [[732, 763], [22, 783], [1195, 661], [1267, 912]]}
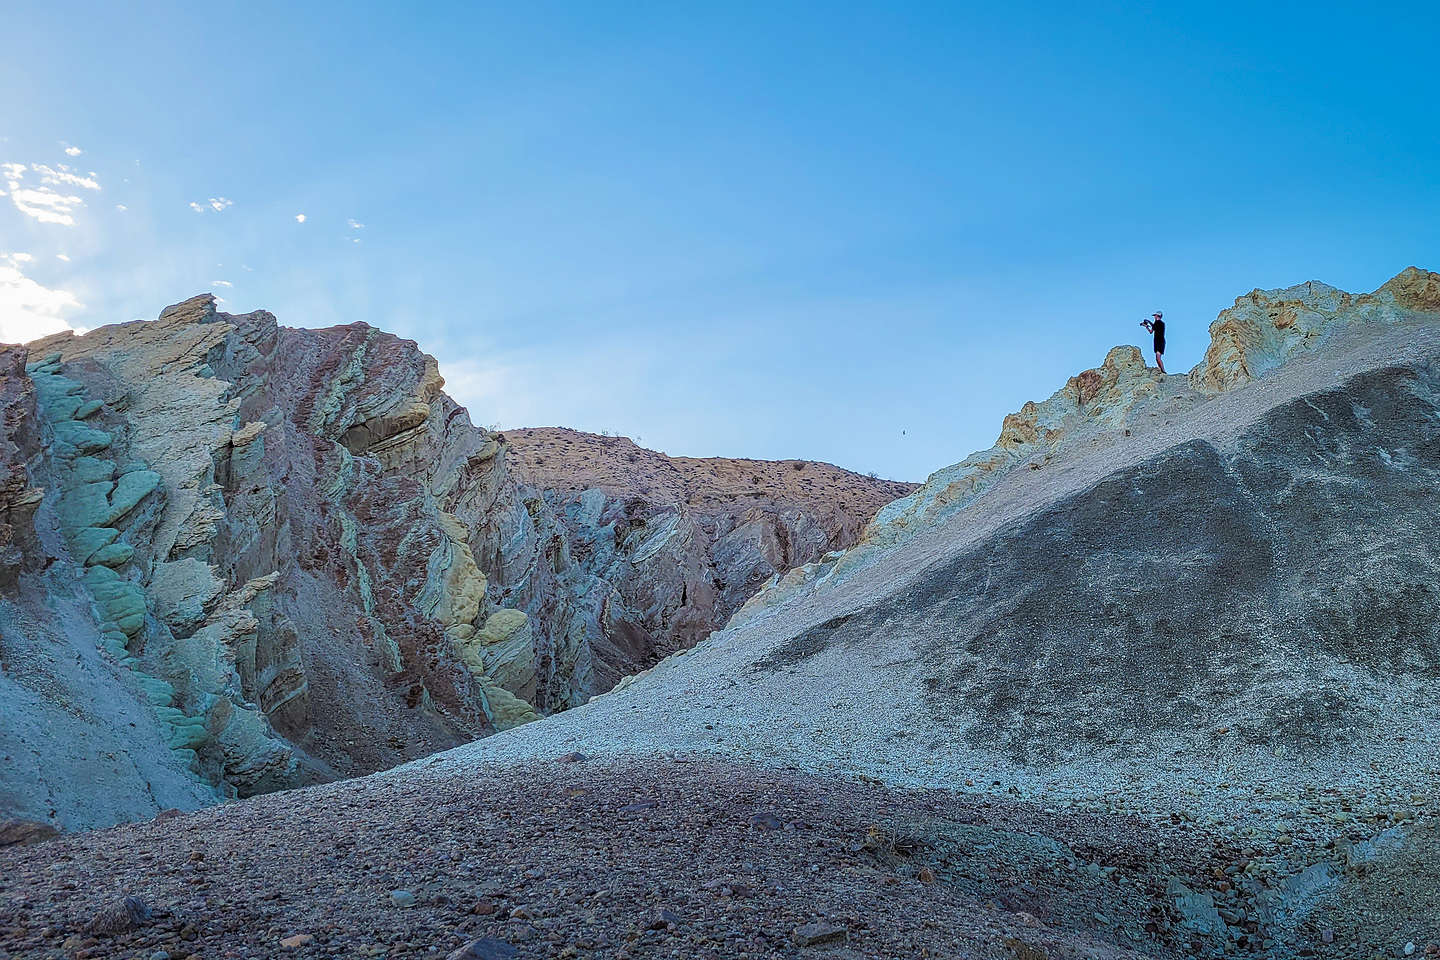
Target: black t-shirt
{"points": [[1159, 336]]}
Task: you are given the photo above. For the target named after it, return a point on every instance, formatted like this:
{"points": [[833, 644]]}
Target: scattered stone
{"points": [[486, 948], [821, 931], [127, 913], [639, 806], [662, 919], [20, 832], [403, 899], [299, 940], [1023, 950], [766, 820], [574, 756]]}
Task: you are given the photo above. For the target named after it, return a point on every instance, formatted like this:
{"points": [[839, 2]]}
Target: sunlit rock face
{"points": [[281, 555]]}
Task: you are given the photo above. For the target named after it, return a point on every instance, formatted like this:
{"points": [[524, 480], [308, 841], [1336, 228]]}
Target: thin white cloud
{"points": [[354, 239], [216, 204], [194, 205], [121, 207], [221, 283], [73, 151], [299, 218], [62, 256], [355, 224], [42, 202], [61, 175], [29, 310], [19, 257]]}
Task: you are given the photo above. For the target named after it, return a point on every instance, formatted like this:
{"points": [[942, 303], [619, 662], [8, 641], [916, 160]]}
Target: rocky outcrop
{"points": [[1149, 586], [678, 544], [1121, 397], [291, 545], [292, 557]]}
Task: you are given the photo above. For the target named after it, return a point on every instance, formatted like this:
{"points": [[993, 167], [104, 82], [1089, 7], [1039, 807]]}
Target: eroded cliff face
{"points": [[286, 555], [296, 558], [678, 544]]}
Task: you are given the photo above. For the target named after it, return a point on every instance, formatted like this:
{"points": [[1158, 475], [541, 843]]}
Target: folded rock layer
{"points": [[237, 557]]}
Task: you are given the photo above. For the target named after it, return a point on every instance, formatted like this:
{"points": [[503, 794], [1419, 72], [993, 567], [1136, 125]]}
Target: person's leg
{"points": [[1160, 362]]}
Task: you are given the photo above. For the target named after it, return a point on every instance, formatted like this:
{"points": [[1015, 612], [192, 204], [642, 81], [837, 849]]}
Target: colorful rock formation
{"points": [[297, 559], [682, 542]]}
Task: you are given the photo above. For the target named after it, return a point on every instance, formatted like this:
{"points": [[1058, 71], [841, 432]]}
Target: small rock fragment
{"points": [[765, 820], [574, 756], [821, 931], [20, 832], [127, 913], [486, 948], [403, 899], [661, 919], [299, 940]]}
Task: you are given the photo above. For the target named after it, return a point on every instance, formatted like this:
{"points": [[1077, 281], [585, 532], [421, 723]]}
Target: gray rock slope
{"points": [[1206, 590]]}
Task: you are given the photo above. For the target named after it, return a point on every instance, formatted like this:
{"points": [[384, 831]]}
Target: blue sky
{"points": [[857, 233]]}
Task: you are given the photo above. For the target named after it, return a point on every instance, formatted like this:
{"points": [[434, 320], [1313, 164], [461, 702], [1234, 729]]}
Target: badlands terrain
{"points": [[237, 557], [1153, 676]]}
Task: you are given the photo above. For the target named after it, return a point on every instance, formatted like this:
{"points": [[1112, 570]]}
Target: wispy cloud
{"points": [[299, 218], [216, 204], [41, 201], [73, 151], [62, 256], [28, 309], [121, 207], [62, 175], [221, 283], [355, 224]]}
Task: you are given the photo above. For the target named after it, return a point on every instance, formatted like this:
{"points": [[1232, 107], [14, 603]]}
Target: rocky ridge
{"points": [[236, 557], [1207, 600], [686, 541]]}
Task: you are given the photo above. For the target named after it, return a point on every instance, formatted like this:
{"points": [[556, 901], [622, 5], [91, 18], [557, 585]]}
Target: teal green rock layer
{"points": [[96, 494]]}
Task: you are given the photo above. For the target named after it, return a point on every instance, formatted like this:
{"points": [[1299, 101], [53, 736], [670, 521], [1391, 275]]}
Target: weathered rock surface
{"points": [[271, 538], [683, 542], [236, 557], [1211, 598]]}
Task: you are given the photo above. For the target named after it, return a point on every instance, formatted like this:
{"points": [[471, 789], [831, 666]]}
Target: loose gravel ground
{"points": [[588, 858]]}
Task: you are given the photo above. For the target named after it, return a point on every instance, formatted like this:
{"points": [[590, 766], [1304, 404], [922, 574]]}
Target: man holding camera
{"points": [[1157, 326]]}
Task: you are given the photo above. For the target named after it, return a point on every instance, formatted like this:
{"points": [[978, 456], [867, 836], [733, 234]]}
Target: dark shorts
{"points": [[1159, 346]]}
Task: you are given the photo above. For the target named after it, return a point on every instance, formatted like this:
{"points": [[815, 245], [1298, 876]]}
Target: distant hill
{"points": [[685, 541]]}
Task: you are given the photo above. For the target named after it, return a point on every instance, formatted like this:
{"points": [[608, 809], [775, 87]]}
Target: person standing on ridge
{"points": [[1157, 326]]}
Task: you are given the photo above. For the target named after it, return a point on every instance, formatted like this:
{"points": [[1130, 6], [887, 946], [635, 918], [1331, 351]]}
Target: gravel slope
{"points": [[858, 708], [589, 859]]}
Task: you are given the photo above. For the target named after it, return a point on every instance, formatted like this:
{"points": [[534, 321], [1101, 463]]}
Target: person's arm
{"points": [[1149, 327]]}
